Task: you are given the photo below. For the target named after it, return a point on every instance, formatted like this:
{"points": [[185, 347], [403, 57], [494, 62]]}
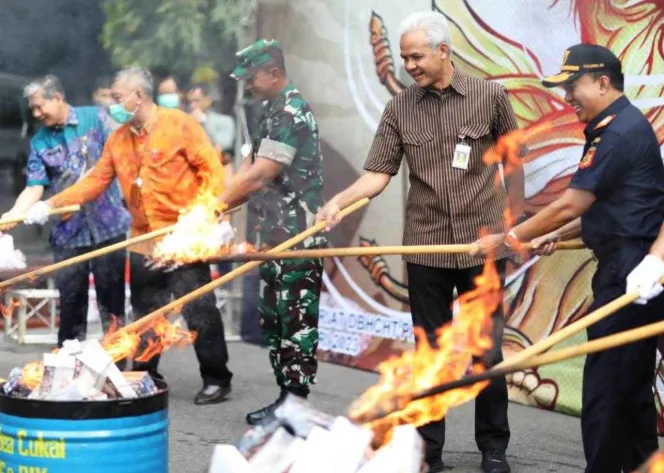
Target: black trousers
{"points": [[431, 295], [73, 284], [152, 289], [618, 417]]}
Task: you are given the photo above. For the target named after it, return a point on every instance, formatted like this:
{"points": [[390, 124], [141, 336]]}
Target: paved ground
{"points": [[541, 441]]}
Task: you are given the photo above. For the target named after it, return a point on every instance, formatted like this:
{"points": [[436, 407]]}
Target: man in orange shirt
{"points": [[162, 159]]}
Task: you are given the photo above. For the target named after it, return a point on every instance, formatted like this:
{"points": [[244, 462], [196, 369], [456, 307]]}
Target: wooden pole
{"points": [[62, 210], [32, 275], [143, 322], [373, 251], [572, 329], [600, 344]]}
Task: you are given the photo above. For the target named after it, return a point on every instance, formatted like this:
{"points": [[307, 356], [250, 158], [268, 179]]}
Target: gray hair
{"points": [[140, 75], [48, 85], [434, 25]]}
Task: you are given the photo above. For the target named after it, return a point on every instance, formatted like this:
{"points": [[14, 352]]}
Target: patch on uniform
{"points": [[587, 159], [605, 122]]}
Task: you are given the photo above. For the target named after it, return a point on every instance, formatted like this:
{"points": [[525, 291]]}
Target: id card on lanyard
{"points": [[461, 157]]}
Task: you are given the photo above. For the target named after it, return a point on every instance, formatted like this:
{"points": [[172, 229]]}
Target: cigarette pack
{"points": [[141, 382], [227, 459], [269, 455], [254, 439], [94, 358], [403, 454], [297, 414], [59, 373]]}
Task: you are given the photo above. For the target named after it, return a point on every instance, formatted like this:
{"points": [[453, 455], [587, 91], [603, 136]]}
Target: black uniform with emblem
{"points": [[622, 166]]}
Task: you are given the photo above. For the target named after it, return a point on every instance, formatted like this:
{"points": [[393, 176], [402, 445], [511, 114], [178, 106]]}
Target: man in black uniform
{"points": [[618, 193]]}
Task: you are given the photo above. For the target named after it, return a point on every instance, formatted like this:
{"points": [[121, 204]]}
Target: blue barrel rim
{"points": [[85, 410]]}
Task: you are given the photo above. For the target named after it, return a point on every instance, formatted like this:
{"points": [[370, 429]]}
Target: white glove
{"points": [[644, 279], [37, 214], [223, 233], [245, 150]]}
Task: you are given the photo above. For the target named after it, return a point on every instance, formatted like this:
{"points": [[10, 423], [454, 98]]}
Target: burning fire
{"points": [[8, 311], [198, 235], [467, 336], [512, 147], [120, 344], [656, 463]]}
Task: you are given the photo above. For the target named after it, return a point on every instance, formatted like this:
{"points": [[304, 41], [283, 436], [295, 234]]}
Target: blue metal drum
{"points": [[114, 436]]}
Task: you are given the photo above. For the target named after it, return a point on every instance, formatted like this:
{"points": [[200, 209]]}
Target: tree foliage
{"points": [[180, 36]]}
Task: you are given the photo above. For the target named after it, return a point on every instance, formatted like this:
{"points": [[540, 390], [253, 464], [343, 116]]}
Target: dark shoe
{"points": [[494, 461], [267, 412], [212, 395], [436, 466]]}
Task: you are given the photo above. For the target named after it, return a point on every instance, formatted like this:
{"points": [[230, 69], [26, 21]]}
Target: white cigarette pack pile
{"points": [[303, 440], [84, 371]]}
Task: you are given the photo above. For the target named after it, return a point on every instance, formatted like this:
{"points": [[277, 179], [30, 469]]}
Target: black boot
{"points": [[267, 412]]}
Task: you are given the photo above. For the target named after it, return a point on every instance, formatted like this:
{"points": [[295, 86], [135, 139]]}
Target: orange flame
{"points": [[8, 311], [120, 344], [166, 335], [656, 463], [468, 335], [194, 237], [160, 334], [32, 374], [511, 148]]}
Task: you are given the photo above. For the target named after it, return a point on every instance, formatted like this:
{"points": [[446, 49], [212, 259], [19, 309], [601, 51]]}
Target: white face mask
{"points": [[168, 100]]}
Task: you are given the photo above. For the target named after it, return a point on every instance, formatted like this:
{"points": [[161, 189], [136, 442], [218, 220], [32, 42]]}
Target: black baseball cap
{"points": [[581, 59]]}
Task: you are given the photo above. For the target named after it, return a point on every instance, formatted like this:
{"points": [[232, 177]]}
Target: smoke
{"points": [[57, 37]]}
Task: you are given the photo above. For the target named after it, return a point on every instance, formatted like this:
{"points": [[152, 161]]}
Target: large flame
{"points": [[468, 335], [198, 236], [194, 237], [120, 343]]}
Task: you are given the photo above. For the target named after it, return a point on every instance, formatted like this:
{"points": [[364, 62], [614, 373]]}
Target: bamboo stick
{"points": [[594, 346], [572, 329], [374, 251], [175, 305], [32, 275], [62, 210]]}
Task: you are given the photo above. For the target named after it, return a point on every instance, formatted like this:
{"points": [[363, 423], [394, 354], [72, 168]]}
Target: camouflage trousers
{"points": [[288, 309]]}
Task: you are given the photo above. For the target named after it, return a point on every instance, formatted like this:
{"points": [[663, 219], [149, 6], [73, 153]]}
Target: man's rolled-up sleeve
{"points": [[37, 175], [386, 151], [283, 139]]}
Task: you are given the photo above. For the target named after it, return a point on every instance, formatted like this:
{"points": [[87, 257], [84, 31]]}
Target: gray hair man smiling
{"points": [[443, 124]]}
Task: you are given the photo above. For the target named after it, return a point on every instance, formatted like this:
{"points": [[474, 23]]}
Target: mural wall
{"points": [[344, 57]]}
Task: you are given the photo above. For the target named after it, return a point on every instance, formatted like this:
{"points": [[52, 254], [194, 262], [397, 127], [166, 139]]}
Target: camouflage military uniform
{"points": [[290, 290]]}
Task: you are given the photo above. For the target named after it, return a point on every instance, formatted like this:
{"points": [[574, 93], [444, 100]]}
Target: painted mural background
{"points": [[343, 55]]}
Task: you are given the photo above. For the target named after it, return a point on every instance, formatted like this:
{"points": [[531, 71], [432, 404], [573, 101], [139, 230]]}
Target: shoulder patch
{"points": [[605, 122], [587, 158]]}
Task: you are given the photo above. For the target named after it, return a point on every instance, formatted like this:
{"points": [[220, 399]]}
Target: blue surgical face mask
{"points": [[168, 100], [119, 113]]}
